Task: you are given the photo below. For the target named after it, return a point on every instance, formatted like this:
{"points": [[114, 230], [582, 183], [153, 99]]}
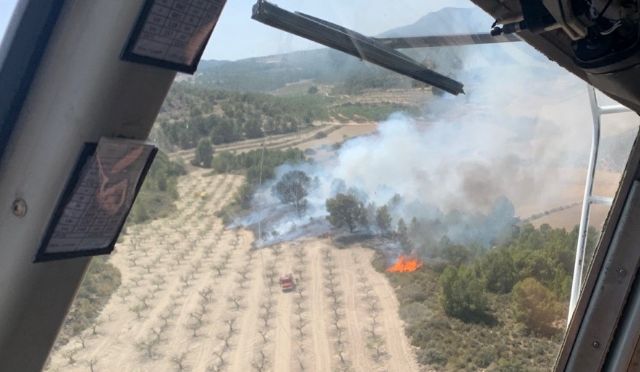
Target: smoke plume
{"points": [[469, 165]]}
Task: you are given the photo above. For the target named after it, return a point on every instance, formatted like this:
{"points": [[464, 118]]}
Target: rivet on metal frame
{"points": [[19, 208]]}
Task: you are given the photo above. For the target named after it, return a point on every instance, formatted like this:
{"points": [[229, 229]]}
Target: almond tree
{"points": [[179, 361]]}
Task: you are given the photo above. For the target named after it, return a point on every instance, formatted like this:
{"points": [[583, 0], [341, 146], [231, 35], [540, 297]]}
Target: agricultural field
{"points": [[197, 296]]}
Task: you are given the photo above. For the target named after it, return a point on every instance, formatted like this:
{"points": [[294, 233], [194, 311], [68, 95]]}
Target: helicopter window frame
{"points": [[21, 51]]}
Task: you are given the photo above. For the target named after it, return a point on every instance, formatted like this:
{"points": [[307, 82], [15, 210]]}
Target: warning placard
{"points": [[173, 33], [97, 199]]}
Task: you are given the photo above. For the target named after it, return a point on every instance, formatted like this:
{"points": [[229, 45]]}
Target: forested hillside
{"points": [[265, 74], [191, 113]]}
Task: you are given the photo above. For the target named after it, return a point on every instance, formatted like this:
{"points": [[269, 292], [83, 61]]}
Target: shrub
{"points": [[463, 294], [484, 357], [319, 135], [433, 357], [535, 307]]}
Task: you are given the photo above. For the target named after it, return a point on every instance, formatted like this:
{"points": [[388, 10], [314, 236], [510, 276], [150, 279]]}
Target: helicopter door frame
{"points": [[21, 51], [72, 89]]}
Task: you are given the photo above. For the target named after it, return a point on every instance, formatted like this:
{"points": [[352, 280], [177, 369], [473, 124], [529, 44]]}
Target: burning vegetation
{"points": [[405, 264]]}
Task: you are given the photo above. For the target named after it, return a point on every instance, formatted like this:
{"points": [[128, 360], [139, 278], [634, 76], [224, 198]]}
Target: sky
{"points": [[237, 36], [6, 9]]}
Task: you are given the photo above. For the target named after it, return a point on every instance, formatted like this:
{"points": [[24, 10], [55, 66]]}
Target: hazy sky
{"points": [[238, 36], [6, 8]]}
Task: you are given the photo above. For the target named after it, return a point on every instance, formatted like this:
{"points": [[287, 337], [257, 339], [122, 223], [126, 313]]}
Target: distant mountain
{"points": [[326, 66], [273, 72], [444, 22]]}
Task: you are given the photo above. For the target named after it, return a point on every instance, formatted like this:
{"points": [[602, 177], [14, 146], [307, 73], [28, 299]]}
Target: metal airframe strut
{"points": [[351, 42], [578, 268]]}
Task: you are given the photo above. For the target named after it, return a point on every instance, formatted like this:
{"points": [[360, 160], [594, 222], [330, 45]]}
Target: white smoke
{"points": [[519, 125]]}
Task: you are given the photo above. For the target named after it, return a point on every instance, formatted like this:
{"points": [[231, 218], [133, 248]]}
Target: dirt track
{"points": [[196, 297], [335, 133]]}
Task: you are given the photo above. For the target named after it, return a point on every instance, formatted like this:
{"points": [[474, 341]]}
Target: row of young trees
{"points": [[145, 263], [345, 210]]}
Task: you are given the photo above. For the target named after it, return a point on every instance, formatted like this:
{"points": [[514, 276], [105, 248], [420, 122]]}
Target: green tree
{"points": [[252, 129], [292, 188], [312, 89], [463, 294], [536, 307], [456, 254], [224, 131], [346, 210], [204, 154], [383, 219], [195, 111], [499, 271], [402, 234]]}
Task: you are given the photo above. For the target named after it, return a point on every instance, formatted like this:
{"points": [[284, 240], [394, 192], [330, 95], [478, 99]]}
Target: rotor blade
{"points": [[445, 40], [351, 42]]}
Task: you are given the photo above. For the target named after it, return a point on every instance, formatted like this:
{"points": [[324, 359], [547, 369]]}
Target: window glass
{"points": [[310, 211], [6, 10]]}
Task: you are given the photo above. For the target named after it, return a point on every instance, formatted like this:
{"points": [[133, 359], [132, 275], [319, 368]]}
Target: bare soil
{"points": [[570, 194], [195, 296]]}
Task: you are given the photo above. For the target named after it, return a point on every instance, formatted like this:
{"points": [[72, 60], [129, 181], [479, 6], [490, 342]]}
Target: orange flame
{"points": [[405, 265]]}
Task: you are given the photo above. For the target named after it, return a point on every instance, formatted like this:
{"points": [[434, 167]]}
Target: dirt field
{"points": [[570, 194], [195, 296]]}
